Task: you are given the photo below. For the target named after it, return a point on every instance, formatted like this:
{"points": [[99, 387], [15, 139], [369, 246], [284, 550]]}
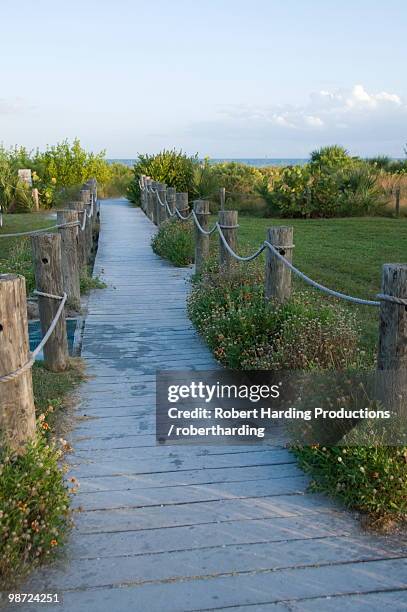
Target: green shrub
{"points": [[66, 164], [119, 180], [370, 478], [54, 170], [245, 332], [333, 156], [332, 184], [174, 241], [174, 168], [88, 282], [387, 164], [236, 177], [34, 502]]}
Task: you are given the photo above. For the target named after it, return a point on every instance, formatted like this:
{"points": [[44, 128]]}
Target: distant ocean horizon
{"points": [[258, 162]]}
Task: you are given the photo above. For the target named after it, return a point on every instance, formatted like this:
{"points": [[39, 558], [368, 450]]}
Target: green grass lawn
{"points": [[21, 223], [15, 253], [343, 254]]}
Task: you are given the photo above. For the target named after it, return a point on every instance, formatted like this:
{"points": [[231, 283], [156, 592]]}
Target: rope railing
{"points": [[275, 251], [87, 214], [38, 349], [40, 231], [59, 259]]}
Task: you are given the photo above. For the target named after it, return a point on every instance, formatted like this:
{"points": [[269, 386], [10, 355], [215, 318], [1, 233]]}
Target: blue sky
{"points": [[225, 78]]}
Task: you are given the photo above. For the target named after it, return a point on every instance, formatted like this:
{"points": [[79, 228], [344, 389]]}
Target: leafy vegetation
{"points": [[245, 332], [34, 495], [332, 184], [56, 172], [372, 479], [174, 168], [89, 282], [34, 502], [174, 241]]}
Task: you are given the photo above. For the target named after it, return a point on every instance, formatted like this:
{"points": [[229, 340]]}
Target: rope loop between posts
{"points": [[199, 226], [41, 230], [31, 360], [276, 251]]}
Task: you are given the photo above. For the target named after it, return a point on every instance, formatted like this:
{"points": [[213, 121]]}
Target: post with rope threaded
{"points": [[142, 185], [222, 198], [392, 353], [91, 184], [171, 191], [46, 250], [80, 209], [278, 275], [69, 252], [228, 225], [151, 201], [181, 203], [161, 208], [17, 411], [201, 208], [84, 196], [154, 185]]}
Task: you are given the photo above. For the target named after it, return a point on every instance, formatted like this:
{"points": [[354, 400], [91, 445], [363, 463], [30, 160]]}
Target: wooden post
{"points": [[17, 411], [154, 185], [278, 276], [161, 210], [181, 203], [149, 200], [91, 185], [69, 256], [222, 198], [142, 192], [48, 277], [398, 201], [171, 195], [84, 196], [36, 199], [392, 353], [82, 259], [201, 208], [228, 224]]}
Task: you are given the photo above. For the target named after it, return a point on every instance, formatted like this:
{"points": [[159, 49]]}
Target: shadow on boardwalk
{"points": [[191, 528]]}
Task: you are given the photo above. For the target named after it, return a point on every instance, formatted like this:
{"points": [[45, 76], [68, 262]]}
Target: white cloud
{"points": [[314, 121], [371, 122], [360, 97]]}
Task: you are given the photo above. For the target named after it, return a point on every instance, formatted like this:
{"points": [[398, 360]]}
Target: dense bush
{"points": [[174, 168], [331, 184], [34, 502], [66, 164], [387, 164], [55, 171], [237, 178], [174, 241], [119, 180], [245, 332]]}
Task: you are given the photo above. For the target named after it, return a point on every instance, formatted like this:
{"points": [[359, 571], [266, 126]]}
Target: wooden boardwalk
{"points": [[191, 528]]}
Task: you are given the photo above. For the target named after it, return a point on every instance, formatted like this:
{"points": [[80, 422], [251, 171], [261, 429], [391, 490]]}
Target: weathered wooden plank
{"points": [[249, 589]]}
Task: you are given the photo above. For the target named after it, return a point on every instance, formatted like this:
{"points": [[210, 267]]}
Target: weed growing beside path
{"points": [[174, 241], [34, 496]]}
